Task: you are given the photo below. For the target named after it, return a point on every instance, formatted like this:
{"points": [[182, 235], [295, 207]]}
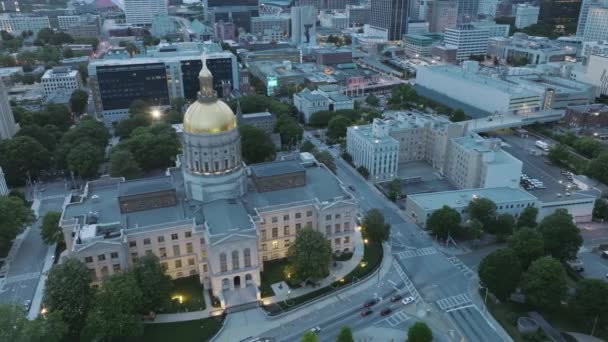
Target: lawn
{"points": [[197, 330], [273, 273], [190, 291]]}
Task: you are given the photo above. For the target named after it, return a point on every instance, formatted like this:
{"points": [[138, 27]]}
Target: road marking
{"points": [[417, 252], [460, 308], [454, 301], [22, 277], [392, 282], [397, 318], [408, 284], [468, 272]]}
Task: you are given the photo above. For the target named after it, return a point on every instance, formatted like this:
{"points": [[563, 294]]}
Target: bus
{"points": [[542, 145]]}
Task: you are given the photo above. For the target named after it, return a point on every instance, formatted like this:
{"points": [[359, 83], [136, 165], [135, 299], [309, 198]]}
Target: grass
{"points": [[191, 292], [273, 273], [197, 330]]}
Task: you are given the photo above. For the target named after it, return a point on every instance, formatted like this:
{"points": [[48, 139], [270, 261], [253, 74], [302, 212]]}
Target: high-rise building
{"points": [[8, 128], [487, 8], [526, 15], [584, 13], [304, 25], [442, 14], [390, 17], [467, 11], [141, 12], [238, 12], [3, 187], [469, 41], [596, 27]]}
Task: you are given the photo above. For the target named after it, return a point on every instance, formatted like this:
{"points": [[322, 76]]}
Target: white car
{"points": [[315, 330], [408, 300]]}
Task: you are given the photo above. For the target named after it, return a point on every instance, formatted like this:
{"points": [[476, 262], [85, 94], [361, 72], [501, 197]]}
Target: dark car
{"points": [[385, 312], [370, 303], [366, 313], [396, 298]]}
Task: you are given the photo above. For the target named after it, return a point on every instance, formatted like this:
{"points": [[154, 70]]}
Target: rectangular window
{"points": [[162, 252], [264, 257], [189, 248], [263, 234], [263, 246], [202, 241], [132, 244], [286, 230], [88, 259], [275, 232], [275, 245], [164, 265], [309, 213], [286, 217], [188, 234], [346, 239], [328, 217], [205, 268], [298, 215], [275, 255], [191, 261], [116, 268], [275, 219], [337, 216], [337, 228], [114, 255], [178, 263], [286, 243], [346, 226], [176, 251], [146, 241], [174, 236], [337, 241], [160, 239], [101, 257], [328, 229], [134, 256]]}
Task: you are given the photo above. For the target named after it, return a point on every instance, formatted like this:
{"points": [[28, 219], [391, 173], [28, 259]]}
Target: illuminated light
{"points": [[359, 228], [342, 280], [179, 298], [365, 241], [43, 311], [156, 114], [363, 263]]}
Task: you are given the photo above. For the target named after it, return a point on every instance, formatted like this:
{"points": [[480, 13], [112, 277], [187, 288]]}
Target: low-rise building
{"points": [[594, 72], [590, 118], [535, 50], [333, 56], [420, 44], [271, 27], [16, 23], [263, 120], [494, 29], [81, 26], [61, 80]]}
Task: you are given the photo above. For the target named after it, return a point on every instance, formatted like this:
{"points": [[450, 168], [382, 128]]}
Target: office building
{"points": [[3, 187], [442, 14], [210, 216], [418, 9], [16, 23], [594, 72], [304, 25], [584, 14], [141, 12], [474, 162], [80, 26], [309, 102], [467, 11], [61, 80], [270, 27], [468, 40], [488, 8], [238, 12], [336, 20], [494, 29], [265, 121], [496, 45], [8, 127], [596, 27], [536, 50], [358, 15], [224, 31], [168, 72], [420, 44], [162, 25], [526, 15], [588, 118], [389, 18]]}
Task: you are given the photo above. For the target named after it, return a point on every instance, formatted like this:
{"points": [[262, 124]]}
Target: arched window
{"points": [[247, 254], [235, 260], [223, 263]]}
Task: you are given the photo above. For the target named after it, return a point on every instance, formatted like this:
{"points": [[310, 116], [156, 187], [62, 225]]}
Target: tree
{"points": [[558, 154], [527, 218], [84, 159], [113, 314], [363, 171], [443, 222], [154, 284], [54, 114], [320, 119], [309, 336], [588, 147], [458, 115], [374, 228], [307, 146], [325, 158], [123, 164], [50, 231], [347, 157], [310, 255], [45, 34], [78, 101], [598, 168], [419, 332], [528, 245], [345, 335], [484, 210], [67, 291], [500, 271], [503, 225], [21, 157], [14, 216], [153, 147], [372, 100], [591, 299], [544, 283], [394, 189], [43, 135], [336, 128], [14, 326], [600, 209], [290, 131], [256, 145], [561, 236]]}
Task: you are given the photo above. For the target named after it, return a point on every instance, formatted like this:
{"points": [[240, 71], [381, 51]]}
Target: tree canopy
{"points": [[561, 236], [600, 209], [14, 216], [500, 271], [14, 326], [394, 189], [419, 332], [374, 228], [345, 335], [78, 101], [527, 218], [309, 336], [484, 210], [307, 146], [591, 299], [123, 164], [84, 159], [153, 147], [503, 226], [50, 231], [154, 284], [443, 221], [336, 128], [528, 245], [310, 255], [256, 145], [326, 159], [21, 157], [544, 283]]}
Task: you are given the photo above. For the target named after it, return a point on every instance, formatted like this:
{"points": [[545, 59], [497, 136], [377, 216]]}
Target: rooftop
{"points": [[460, 198], [276, 168]]}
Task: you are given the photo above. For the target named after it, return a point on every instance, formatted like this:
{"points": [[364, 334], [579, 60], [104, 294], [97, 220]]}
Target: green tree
{"points": [[544, 283], [325, 158], [78, 101], [600, 209], [113, 314], [125, 127], [67, 291], [363, 171], [500, 271], [345, 335], [256, 145], [87, 131], [528, 245], [347, 157], [320, 119], [309, 336], [591, 300], [444, 221], [14, 326], [558, 154], [153, 147], [54, 114], [310, 255], [372, 100], [336, 129], [419, 332], [598, 168], [307, 146], [45, 34], [374, 228], [484, 210], [527, 218], [588, 147], [84, 159], [154, 284], [290, 131], [23, 156], [44, 135], [561, 236], [503, 226], [458, 115], [14, 216], [50, 231], [394, 189], [123, 164]]}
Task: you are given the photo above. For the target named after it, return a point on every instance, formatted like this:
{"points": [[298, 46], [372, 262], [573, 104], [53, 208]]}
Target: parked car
{"points": [[385, 312], [370, 303], [396, 298], [366, 312], [408, 300], [315, 330], [27, 304]]}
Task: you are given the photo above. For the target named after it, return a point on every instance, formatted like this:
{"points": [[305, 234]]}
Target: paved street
{"points": [[595, 265], [25, 268]]}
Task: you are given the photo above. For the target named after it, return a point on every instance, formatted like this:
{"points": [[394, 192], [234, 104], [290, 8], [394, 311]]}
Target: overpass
{"points": [[499, 121]]}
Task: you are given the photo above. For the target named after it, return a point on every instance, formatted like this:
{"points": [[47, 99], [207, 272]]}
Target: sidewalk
{"points": [[180, 317], [39, 294], [244, 324], [477, 300]]}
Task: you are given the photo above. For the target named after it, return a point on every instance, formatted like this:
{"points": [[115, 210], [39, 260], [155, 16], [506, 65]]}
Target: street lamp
{"points": [[156, 114]]}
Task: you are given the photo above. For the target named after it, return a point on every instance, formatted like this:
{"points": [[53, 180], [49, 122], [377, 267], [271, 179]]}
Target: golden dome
{"points": [[209, 117]]}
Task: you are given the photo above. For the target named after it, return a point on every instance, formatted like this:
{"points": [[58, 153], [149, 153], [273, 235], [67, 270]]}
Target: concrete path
{"points": [[180, 317], [584, 338], [547, 327], [39, 294]]}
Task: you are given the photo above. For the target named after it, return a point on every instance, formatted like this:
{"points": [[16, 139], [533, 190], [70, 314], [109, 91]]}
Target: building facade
{"points": [[526, 15], [390, 17], [304, 25], [141, 12], [596, 27], [3, 187], [468, 41], [584, 14], [442, 14], [270, 27], [16, 23], [61, 79], [8, 127], [209, 216]]}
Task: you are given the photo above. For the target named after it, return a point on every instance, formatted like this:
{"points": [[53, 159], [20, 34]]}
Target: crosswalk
{"points": [[397, 318], [408, 283], [461, 266], [411, 253], [454, 302], [22, 277]]}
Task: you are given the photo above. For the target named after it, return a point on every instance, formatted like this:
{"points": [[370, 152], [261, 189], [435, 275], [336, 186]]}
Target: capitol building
{"points": [[210, 215]]}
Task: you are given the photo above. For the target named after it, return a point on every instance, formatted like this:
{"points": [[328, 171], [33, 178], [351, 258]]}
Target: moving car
{"points": [[315, 330], [370, 303], [385, 312], [366, 312], [395, 298], [27, 304], [408, 300]]}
